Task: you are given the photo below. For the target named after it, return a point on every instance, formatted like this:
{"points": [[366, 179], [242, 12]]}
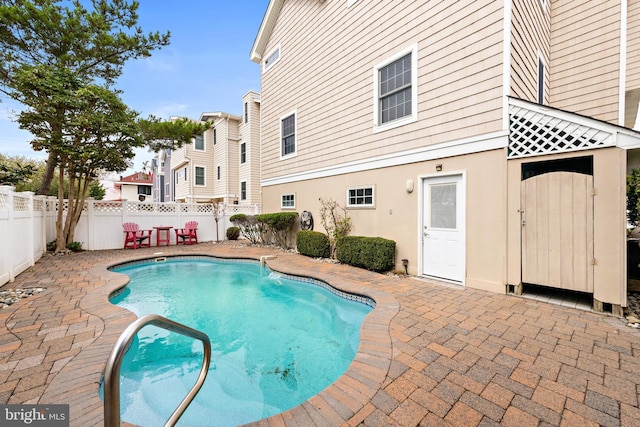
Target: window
{"points": [[243, 190], [288, 201], [218, 173], [167, 188], [199, 174], [184, 173], [215, 136], [243, 152], [144, 189], [360, 196], [272, 58], [288, 135], [395, 95], [198, 143], [177, 173], [540, 81], [246, 112]]}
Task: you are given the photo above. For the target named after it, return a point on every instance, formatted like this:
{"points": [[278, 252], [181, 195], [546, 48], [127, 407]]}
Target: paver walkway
{"points": [[430, 354]]}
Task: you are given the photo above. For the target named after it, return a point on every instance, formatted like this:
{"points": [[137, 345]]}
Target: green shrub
{"points": [[74, 246], [313, 244], [276, 227], [233, 233], [51, 246], [372, 253], [249, 227]]}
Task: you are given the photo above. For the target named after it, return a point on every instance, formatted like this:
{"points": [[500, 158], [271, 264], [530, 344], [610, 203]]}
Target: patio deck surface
{"points": [[430, 354]]}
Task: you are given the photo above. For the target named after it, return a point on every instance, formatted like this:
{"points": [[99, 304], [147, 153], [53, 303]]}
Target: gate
{"points": [[557, 230]]}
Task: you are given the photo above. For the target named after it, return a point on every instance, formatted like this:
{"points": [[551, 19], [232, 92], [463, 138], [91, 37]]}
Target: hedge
{"points": [[313, 244], [372, 253]]}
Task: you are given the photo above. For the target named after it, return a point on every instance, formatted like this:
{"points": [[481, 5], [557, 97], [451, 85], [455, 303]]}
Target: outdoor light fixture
{"points": [[439, 167]]}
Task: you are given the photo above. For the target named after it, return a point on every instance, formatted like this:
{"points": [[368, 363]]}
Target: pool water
{"points": [[275, 341]]}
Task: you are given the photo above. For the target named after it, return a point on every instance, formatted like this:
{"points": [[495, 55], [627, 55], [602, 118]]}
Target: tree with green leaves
{"points": [[91, 44]]}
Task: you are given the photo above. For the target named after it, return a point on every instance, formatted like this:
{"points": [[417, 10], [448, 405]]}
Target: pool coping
{"points": [[78, 381]]}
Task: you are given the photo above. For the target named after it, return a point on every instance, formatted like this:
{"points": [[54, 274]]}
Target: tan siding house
{"points": [[425, 120], [249, 150]]}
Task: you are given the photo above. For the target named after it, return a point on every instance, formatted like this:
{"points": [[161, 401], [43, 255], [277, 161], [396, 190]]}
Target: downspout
{"points": [[506, 90]]}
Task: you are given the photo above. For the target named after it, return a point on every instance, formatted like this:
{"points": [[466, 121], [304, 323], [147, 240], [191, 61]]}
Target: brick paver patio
{"points": [[430, 354]]}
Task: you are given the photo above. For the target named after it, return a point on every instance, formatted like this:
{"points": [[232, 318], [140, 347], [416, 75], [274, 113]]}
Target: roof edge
{"points": [[266, 27]]}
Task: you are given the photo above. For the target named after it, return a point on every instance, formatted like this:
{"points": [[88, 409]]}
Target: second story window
{"points": [[288, 135], [243, 152], [144, 189], [198, 144], [199, 174], [215, 136], [243, 190], [246, 112], [396, 90], [218, 173]]}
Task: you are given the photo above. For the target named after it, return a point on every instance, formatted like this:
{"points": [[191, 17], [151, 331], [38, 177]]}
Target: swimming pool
{"points": [[276, 341]]}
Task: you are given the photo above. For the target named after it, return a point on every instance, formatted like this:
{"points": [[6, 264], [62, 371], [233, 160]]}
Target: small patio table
{"points": [[167, 235]]}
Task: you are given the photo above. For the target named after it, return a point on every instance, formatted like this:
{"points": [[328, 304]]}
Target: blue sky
{"points": [[205, 68]]}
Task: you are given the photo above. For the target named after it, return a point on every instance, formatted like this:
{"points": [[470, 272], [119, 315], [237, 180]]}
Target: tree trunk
{"points": [[47, 177], [60, 238]]}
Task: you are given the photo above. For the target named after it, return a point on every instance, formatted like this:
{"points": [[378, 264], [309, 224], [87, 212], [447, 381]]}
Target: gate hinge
{"points": [[594, 191], [594, 261]]}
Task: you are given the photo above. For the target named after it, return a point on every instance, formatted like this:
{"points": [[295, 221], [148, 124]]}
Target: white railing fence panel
{"points": [[28, 223]]}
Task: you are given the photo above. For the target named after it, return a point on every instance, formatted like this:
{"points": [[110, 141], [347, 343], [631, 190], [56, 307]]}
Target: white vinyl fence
{"points": [[28, 222]]}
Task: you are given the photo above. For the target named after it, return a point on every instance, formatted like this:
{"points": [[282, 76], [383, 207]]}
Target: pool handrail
{"points": [[112, 369]]}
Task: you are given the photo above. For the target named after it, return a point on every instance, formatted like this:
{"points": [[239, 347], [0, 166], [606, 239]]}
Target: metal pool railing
{"points": [[112, 370]]}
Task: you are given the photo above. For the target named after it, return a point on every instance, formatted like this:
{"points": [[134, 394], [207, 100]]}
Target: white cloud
{"points": [[169, 109]]}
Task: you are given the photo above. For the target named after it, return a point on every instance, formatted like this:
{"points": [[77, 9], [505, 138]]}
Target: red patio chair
{"points": [[135, 238], [187, 235]]}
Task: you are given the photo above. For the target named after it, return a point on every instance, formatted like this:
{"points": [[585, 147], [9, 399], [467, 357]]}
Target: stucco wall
{"points": [[397, 214]]}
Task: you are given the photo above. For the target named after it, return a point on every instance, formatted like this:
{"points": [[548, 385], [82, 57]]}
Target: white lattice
{"points": [[20, 203], [4, 202], [166, 208], [534, 133], [38, 204], [107, 206]]}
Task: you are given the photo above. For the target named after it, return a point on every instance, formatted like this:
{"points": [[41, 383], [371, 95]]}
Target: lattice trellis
{"points": [[4, 205], [107, 206], [20, 203], [533, 133]]}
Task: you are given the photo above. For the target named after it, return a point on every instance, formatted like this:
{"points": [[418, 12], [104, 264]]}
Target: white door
{"points": [[443, 228]]}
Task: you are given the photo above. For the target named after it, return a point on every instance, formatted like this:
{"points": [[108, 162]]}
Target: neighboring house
{"points": [[161, 168], [489, 140], [224, 163], [223, 141], [137, 186]]}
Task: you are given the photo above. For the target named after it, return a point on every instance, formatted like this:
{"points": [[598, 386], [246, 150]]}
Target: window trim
{"points": [[293, 196], [204, 145], [361, 206], [294, 153], [243, 156], [147, 190], [195, 176], [377, 126], [265, 66]]}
